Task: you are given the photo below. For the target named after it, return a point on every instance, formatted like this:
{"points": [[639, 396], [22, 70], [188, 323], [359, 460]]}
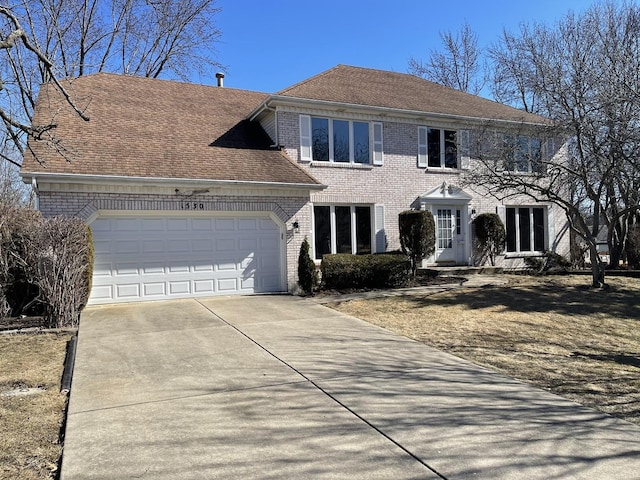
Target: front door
{"points": [[449, 234]]}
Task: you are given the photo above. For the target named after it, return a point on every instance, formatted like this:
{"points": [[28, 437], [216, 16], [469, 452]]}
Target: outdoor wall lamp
{"points": [[296, 227]]}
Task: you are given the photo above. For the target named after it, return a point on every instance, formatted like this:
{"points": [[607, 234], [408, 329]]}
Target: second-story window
{"points": [[342, 141], [437, 148], [522, 154]]}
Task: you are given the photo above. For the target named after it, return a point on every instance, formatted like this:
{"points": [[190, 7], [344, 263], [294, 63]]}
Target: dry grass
{"points": [[30, 424], [553, 332]]}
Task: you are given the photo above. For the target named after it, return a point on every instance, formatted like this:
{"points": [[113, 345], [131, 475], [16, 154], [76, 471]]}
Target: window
{"points": [[341, 229], [340, 141], [437, 148], [525, 229], [522, 154], [444, 227]]}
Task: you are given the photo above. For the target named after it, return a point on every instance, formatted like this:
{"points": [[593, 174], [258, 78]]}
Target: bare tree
{"points": [[511, 77], [17, 86], [583, 74], [47, 40], [459, 65]]}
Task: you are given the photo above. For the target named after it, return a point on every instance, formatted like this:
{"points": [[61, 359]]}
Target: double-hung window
{"points": [[437, 148], [522, 154], [341, 229], [342, 141], [525, 229]]}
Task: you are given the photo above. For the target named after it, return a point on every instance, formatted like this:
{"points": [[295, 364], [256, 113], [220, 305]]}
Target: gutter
{"points": [[376, 110], [117, 179]]}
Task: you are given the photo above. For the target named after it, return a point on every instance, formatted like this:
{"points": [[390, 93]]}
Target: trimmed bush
{"points": [[491, 236], [344, 271], [19, 229], [417, 236], [45, 265], [62, 267], [307, 271]]}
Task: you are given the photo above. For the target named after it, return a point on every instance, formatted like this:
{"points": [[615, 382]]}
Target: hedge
{"points": [[344, 271]]}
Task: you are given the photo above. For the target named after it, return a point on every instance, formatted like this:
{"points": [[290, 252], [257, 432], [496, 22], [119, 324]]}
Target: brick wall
{"points": [[397, 184], [287, 209]]}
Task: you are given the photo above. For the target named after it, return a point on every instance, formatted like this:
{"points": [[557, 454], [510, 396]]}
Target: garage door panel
{"points": [[153, 246], [126, 225], [267, 225], [128, 290], [179, 268], [146, 258], [127, 247], [225, 245], [198, 224], [247, 224], [205, 267], [102, 269], [152, 225], [226, 285], [248, 244], [155, 289], [203, 245], [177, 224], [203, 286], [126, 269], [222, 224]]}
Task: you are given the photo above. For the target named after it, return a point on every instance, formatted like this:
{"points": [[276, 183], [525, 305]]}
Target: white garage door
{"points": [[153, 258]]}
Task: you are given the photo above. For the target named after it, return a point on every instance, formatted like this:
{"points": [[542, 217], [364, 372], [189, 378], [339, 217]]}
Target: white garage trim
{"points": [[158, 255]]}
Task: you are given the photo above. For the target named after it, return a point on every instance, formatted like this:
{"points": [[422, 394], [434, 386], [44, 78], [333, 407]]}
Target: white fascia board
{"points": [[279, 100], [157, 181]]}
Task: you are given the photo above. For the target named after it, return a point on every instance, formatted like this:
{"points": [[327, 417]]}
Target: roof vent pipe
{"points": [[220, 77]]}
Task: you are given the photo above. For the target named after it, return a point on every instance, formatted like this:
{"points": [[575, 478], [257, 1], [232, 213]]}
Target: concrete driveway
{"points": [[278, 387]]}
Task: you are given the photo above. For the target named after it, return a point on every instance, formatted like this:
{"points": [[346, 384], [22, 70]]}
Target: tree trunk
{"points": [[615, 255], [597, 267]]}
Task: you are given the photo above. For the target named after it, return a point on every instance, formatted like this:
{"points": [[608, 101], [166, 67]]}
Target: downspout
{"points": [[277, 144], [36, 200]]}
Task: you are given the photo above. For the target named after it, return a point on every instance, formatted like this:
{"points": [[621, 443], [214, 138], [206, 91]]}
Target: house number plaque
{"points": [[191, 206]]}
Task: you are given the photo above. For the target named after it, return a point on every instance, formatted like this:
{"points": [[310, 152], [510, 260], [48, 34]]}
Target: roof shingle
{"points": [[379, 88], [141, 127]]}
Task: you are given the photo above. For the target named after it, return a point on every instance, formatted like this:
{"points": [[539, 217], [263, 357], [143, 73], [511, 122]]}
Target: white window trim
{"points": [[376, 148], [545, 223], [423, 149], [546, 148], [332, 221]]}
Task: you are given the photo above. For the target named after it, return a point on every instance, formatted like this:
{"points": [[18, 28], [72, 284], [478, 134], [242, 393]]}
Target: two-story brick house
{"points": [[385, 142], [193, 190]]}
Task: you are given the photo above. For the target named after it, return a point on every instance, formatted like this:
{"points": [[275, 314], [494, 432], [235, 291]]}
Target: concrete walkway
{"points": [[279, 387]]}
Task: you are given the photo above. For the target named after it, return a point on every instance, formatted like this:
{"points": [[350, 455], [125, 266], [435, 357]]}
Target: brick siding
{"points": [[398, 184], [287, 209]]}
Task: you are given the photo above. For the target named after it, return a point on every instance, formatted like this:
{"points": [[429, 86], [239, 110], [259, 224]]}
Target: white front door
{"points": [[450, 234]]}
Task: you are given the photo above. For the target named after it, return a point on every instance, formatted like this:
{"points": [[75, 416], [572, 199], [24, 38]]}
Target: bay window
{"points": [[341, 229]]}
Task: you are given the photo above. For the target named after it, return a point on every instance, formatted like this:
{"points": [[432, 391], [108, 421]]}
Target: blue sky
{"points": [[267, 45]]}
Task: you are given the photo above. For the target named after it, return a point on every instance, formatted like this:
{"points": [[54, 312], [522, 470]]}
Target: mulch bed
{"points": [[419, 281]]}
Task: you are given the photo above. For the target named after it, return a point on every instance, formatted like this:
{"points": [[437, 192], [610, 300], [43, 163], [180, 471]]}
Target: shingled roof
{"points": [[141, 127], [379, 88]]}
